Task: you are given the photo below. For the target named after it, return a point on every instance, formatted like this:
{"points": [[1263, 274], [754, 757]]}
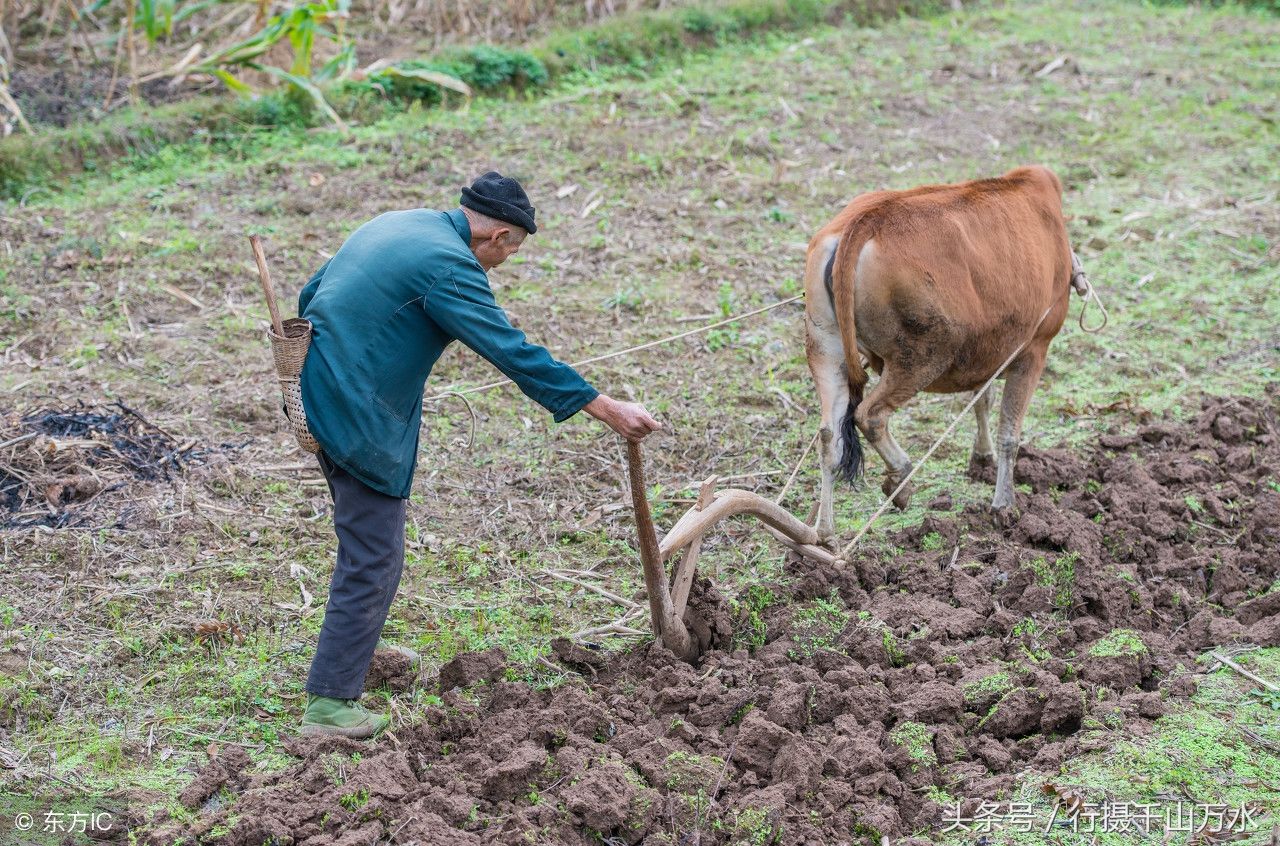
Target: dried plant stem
{"points": [[6, 99], [1271, 686], [133, 50], [115, 66]]}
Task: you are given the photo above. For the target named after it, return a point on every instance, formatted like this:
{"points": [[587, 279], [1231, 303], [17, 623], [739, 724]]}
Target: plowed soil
{"points": [[966, 655]]}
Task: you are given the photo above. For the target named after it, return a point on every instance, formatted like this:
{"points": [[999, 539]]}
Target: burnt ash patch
{"points": [[60, 461]]}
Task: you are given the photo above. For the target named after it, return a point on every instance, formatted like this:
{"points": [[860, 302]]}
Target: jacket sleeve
{"points": [[309, 290], [462, 304]]}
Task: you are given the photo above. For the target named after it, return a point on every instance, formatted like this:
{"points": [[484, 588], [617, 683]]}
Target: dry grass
{"points": [[448, 21]]}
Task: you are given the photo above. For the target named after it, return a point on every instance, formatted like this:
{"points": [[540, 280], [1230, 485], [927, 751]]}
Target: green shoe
{"points": [[415, 660], [341, 717]]}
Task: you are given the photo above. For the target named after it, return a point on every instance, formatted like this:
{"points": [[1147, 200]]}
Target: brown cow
{"points": [[936, 287]]}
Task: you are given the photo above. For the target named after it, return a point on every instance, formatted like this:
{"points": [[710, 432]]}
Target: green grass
{"points": [[1118, 643], [1220, 750], [685, 772], [1059, 576], [815, 626], [916, 739], [709, 190], [628, 45], [997, 684]]}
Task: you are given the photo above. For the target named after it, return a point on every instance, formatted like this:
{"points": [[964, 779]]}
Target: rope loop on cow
{"points": [[1091, 295], [1082, 286]]}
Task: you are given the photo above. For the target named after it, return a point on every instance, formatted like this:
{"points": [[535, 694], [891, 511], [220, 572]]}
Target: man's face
{"points": [[501, 245]]}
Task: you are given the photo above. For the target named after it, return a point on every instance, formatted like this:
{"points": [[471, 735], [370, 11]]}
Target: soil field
{"points": [[874, 693], [166, 550]]}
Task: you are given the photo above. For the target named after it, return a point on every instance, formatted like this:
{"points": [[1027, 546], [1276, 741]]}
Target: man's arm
{"points": [[463, 305]]}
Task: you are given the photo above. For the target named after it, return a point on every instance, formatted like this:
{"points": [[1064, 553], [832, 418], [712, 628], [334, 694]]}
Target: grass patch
{"points": [[1195, 751], [753, 827], [686, 772], [995, 686], [750, 628], [1059, 576], [1117, 644], [815, 626], [916, 739]]}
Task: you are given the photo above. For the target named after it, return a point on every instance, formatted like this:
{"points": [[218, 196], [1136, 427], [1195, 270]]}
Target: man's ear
{"points": [[500, 235]]}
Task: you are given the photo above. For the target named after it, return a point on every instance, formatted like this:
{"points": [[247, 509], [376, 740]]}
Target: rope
{"points": [[1080, 282], [976, 395], [796, 470], [471, 434], [1091, 294], [478, 388]]}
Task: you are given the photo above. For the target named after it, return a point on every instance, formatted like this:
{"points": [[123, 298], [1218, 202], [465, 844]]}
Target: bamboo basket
{"points": [[290, 341]]}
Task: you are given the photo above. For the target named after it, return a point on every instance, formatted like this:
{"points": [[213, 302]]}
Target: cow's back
{"points": [[1005, 218], [963, 266]]}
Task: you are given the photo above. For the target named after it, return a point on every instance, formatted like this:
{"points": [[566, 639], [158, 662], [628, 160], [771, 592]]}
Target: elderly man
{"points": [[402, 288]]}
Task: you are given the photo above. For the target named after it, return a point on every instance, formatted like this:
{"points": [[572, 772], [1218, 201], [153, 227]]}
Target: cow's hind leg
{"points": [[826, 363], [896, 386], [983, 455], [1020, 383]]}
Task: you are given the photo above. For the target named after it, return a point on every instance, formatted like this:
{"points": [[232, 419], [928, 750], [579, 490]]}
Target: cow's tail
{"points": [[839, 276]]}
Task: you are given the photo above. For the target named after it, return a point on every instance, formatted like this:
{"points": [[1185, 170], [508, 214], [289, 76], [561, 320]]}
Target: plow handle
{"points": [[668, 628]]}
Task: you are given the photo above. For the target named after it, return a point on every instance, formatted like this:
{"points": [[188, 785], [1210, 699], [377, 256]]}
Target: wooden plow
{"points": [[669, 595]]}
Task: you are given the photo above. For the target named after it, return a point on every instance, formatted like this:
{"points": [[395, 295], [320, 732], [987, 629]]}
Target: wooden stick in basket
{"points": [[265, 277]]}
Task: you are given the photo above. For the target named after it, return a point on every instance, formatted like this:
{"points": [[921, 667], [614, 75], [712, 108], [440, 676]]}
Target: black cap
{"points": [[501, 198]]}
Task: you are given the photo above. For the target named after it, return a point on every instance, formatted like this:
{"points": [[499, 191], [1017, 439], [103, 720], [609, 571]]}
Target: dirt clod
{"points": [[390, 669], [471, 667]]}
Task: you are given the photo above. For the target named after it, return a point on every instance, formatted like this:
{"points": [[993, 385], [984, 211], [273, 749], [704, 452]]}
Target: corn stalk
{"points": [[6, 100], [302, 26]]}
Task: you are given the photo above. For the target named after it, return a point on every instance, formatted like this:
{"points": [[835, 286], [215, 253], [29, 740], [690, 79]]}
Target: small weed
{"points": [[685, 771], [749, 611], [917, 740], [1059, 576], [1118, 643], [628, 299], [755, 827], [354, 801], [996, 684], [816, 626], [1270, 698]]}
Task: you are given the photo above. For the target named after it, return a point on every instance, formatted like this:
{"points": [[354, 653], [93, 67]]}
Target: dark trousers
{"points": [[370, 530]]}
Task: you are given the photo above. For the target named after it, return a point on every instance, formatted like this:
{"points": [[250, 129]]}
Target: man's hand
{"points": [[628, 419]]}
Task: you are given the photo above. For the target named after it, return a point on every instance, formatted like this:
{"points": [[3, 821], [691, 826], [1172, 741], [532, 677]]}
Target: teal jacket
{"points": [[401, 289]]}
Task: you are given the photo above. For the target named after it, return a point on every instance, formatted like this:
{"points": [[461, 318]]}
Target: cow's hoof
{"points": [[903, 499], [1004, 513], [982, 468]]}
